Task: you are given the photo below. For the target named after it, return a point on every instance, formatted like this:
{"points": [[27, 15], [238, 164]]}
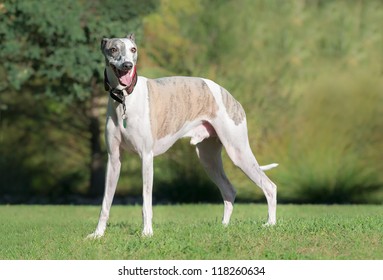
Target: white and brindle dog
{"points": [[148, 116]]}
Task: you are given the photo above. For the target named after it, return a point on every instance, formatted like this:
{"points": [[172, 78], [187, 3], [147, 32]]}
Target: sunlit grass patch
{"points": [[193, 232]]}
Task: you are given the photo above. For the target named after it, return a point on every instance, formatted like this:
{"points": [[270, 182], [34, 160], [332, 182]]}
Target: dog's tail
{"points": [[269, 166]]}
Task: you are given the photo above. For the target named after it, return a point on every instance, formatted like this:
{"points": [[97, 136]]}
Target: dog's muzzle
{"points": [[125, 74]]}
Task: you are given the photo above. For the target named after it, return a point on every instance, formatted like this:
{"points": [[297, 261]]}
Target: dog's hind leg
{"points": [[243, 157], [209, 153], [236, 142]]}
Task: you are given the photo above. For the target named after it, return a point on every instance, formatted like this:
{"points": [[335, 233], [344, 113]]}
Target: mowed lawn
{"points": [[193, 232]]}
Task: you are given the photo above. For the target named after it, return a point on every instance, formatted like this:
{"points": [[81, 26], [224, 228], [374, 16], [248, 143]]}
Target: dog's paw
{"points": [[269, 224], [225, 223], [94, 235], [147, 233]]}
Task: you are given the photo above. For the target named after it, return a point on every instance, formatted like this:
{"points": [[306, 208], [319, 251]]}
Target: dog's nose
{"points": [[127, 65]]}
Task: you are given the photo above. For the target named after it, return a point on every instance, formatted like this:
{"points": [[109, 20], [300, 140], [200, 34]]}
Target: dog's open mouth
{"points": [[125, 77]]}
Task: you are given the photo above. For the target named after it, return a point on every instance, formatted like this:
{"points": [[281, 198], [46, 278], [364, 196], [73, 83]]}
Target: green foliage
{"points": [[45, 41], [162, 33], [53, 45], [193, 232], [308, 73], [51, 80], [333, 154], [302, 82]]}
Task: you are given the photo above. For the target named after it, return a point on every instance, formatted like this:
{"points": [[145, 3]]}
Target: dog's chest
{"points": [[135, 129], [133, 134]]}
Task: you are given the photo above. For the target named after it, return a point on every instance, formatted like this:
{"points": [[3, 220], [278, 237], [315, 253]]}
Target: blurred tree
{"points": [[51, 49], [169, 41]]}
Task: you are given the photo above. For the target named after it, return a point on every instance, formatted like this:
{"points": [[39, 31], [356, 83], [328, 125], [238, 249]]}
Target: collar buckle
{"points": [[117, 95]]}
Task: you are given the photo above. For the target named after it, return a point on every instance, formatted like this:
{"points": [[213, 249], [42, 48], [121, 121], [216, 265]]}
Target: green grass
{"points": [[193, 232]]}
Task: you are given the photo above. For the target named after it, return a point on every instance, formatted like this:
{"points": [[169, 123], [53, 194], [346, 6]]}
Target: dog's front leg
{"points": [[147, 178], [112, 175]]}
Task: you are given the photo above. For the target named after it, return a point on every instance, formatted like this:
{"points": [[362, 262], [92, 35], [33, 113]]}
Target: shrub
{"points": [[331, 150]]}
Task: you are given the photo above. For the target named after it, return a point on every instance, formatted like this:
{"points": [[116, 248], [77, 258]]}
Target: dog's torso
{"points": [[160, 111]]}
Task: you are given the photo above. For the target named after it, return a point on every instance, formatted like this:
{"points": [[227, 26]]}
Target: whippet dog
{"points": [[148, 116]]}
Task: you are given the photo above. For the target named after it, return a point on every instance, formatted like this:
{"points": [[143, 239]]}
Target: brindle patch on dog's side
{"points": [[176, 100], [233, 108]]}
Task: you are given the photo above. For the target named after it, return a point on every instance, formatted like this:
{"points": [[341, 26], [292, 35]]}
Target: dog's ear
{"points": [[103, 43], [131, 37]]}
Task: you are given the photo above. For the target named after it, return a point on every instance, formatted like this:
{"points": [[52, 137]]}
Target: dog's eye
{"points": [[133, 50], [113, 50]]}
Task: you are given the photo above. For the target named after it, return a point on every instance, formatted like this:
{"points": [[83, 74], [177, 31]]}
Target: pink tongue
{"points": [[126, 79]]}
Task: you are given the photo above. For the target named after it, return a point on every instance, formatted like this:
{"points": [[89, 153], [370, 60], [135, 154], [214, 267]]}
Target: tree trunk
{"points": [[97, 163]]}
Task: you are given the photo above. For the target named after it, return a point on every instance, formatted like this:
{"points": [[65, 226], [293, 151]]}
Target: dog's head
{"points": [[120, 58]]}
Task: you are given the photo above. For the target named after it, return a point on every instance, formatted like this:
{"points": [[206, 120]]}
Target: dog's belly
{"points": [[197, 131], [201, 132]]}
